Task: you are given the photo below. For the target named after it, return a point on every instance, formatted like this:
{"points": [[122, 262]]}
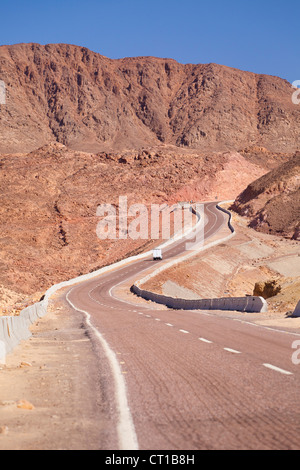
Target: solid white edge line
{"points": [[126, 430], [277, 369]]}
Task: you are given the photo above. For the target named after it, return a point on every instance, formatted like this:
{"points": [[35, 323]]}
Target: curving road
{"points": [[189, 380]]}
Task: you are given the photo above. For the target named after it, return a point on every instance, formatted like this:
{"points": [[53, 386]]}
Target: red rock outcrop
{"points": [[272, 202], [91, 103]]}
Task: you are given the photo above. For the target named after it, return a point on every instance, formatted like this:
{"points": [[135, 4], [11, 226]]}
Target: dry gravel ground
{"points": [[53, 389]]}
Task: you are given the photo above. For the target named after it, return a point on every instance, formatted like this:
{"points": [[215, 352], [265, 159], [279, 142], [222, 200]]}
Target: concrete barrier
{"points": [[15, 329], [296, 312], [230, 226], [239, 304]]}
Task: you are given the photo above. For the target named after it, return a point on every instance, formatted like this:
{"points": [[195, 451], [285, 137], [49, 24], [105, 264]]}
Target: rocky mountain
{"points": [[272, 202], [92, 103]]}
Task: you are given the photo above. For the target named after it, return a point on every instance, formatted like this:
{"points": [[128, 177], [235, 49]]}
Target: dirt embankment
{"points": [[272, 202], [236, 268]]}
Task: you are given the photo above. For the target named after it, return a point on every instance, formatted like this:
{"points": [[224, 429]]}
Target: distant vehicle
{"points": [[157, 254]]}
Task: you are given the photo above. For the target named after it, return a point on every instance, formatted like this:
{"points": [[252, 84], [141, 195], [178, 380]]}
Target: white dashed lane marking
{"points": [[232, 351], [205, 340], [277, 369]]}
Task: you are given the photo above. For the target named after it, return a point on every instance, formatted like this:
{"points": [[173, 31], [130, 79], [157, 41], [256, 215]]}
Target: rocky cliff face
{"points": [[272, 202], [91, 103]]}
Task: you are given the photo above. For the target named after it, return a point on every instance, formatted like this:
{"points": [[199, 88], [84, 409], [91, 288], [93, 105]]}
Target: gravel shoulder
{"points": [[53, 390]]}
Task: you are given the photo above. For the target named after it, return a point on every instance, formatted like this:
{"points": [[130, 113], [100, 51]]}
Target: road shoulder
{"points": [[53, 390]]}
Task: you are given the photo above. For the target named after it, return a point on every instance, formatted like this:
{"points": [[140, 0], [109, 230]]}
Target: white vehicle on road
{"points": [[157, 254]]}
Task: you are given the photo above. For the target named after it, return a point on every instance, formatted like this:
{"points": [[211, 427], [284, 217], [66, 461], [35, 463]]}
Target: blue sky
{"points": [[259, 36]]}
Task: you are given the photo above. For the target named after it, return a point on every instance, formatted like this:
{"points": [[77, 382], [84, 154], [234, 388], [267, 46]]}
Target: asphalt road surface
{"points": [[188, 380]]}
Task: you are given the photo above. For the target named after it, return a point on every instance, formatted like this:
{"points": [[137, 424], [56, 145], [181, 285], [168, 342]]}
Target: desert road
{"points": [[188, 380]]}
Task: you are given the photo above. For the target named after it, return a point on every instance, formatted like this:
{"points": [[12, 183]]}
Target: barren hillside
{"points": [[49, 200], [91, 103], [272, 202]]}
